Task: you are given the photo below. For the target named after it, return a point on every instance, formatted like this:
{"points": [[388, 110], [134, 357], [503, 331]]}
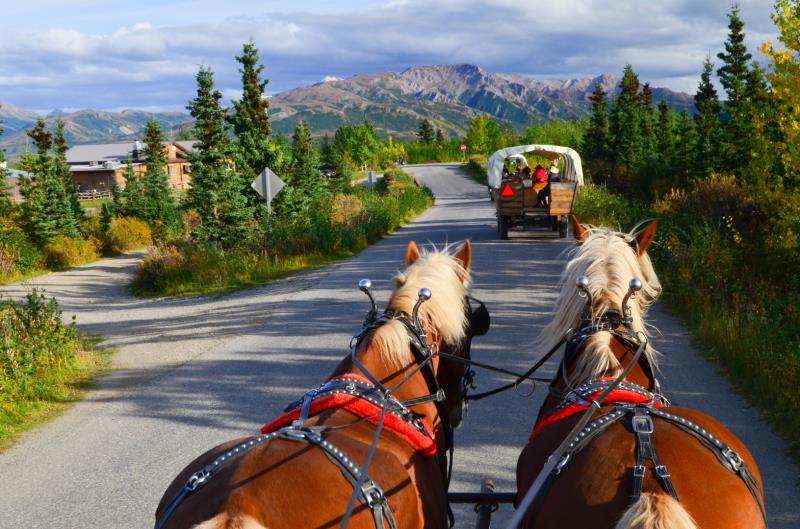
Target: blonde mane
{"points": [[444, 313], [609, 261]]}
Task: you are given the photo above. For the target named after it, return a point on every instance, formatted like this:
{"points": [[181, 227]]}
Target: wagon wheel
{"points": [[502, 227], [563, 227]]}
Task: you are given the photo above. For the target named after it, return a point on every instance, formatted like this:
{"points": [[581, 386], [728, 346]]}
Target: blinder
{"points": [[479, 318]]}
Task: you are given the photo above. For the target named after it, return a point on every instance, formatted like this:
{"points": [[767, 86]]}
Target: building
{"points": [[96, 167], [13, 179]]}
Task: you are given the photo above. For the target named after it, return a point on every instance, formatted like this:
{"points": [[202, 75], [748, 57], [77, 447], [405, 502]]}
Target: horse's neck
{"points": [[638, 375], [412, 388]]}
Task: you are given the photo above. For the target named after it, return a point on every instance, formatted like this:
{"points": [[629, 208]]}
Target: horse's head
{"points": [[609, 259], [448, 321]]}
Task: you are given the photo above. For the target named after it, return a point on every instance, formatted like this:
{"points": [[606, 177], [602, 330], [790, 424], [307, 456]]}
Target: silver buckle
{"points": [[562, 462], [642, 424], [197, 480], [373, 494], [638, 471], [662, 471], [734, 459]]}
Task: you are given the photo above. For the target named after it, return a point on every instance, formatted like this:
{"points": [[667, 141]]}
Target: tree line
{"points": [[634, 146]]}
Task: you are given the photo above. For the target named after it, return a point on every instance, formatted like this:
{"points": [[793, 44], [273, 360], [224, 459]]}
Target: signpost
{"points": [[268, 185]]}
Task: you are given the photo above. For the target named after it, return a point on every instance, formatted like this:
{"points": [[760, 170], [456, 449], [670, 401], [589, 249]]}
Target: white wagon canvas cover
{"points": [[569, 167]]}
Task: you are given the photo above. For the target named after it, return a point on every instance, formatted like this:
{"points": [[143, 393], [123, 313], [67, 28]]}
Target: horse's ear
{"points": [[412, 253], [464, 256], [580, 233], [646, 237]]}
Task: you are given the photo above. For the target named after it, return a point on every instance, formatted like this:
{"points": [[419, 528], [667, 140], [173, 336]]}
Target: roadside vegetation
{"points": [[45, 364], [725, 186]]}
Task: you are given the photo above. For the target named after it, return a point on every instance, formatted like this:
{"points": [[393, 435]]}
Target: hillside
{"points": [[449, 96]]}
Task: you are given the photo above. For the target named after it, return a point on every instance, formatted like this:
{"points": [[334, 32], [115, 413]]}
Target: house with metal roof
{"points": [[96, 167], [13, 177]]}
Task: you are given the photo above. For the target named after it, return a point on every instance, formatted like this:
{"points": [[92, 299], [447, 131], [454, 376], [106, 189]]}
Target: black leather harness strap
{"points": [[642, 425]]}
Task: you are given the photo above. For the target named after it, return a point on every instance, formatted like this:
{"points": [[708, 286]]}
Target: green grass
{"points": [[95, 204], [45, 366]]}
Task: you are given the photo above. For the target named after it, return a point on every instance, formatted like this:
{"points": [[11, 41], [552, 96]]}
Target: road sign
{"points": [[267, 184], [464, 147]]}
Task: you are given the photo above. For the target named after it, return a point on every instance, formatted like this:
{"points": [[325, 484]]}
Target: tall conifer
{"points": [[707, 123], [216, 191], [425, 132], [250, 122], [595, 142], [625, 124], [159, 205], [62, 170], [5, 186]]}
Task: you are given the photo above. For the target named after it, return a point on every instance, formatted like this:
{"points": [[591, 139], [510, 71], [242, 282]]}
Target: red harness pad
{"points": [[424, 444], [617, 396]]}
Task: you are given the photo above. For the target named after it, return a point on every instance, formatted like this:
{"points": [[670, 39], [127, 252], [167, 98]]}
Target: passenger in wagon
{"points": [[540, 175]]}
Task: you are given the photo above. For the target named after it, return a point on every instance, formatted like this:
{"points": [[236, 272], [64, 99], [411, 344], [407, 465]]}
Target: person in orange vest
{"points": [[539, 175]]}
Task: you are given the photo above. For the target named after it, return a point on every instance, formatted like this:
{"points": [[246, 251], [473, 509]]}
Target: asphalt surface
{"points": [[192, 373]]}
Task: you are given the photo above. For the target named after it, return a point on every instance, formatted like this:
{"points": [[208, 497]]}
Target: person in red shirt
{"points": [[540, 175]]}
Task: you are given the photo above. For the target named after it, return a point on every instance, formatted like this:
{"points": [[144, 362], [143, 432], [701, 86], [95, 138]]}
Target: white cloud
{"points": [[151, 59]]}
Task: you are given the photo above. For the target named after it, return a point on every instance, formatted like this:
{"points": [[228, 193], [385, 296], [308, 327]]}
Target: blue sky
{"points": [[105, 54]]}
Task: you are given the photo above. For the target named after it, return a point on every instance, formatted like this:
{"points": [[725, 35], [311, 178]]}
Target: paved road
{"points": [[192, 373]]}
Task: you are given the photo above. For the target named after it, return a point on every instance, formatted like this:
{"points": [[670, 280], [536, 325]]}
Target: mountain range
{"points": [[448, 95]]}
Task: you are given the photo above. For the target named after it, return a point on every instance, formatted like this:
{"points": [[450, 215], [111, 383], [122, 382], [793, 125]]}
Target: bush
{"points": [[18, 254], [128, 233], [477, 167], [65, 252]]}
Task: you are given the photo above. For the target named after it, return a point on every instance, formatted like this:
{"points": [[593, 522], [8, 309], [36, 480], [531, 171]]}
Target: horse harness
{"points": [[642, 406], [374, 394]]}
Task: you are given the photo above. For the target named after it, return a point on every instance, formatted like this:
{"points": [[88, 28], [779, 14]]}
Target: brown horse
{"points": [[303, 474], [639, 463]]}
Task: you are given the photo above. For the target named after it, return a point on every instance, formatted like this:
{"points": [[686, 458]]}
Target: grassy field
{"points": [[46, 365]]}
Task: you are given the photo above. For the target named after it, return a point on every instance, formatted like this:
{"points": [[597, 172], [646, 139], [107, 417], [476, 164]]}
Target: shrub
{"points": [[345, 209], [128, 233], [17, 252], [477, 166], [64, 252]]}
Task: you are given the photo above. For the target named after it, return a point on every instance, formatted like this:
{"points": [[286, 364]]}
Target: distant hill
{"points": [[449, 96], [85, 126]]}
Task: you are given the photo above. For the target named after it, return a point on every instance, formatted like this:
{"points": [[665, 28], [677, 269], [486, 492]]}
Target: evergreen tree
{"points": [[665, 138], [116, 198], [648, 123], [133, 194], [5, 188], [47, 210], [625, 131], [733, 75], [595, 141], [159, 204], [216, 191], [425, 132], [440, 138], [707, 123], [250, 122], [326, 154], [304, 172], [60, 149], [683, 161], [106, 217]]}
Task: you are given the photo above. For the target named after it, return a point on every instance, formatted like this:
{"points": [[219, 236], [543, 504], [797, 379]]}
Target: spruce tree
{"points": [[158, 203], [60, 149], [216, 191], [707, 123], [625, 131], [733, 75], [648, 123], [304, 173], [425, 132], [5, 187], [595, 141], [47, 210], [133, 195], [440, 138], [683, 159], [250, 122], [326, 154]]}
